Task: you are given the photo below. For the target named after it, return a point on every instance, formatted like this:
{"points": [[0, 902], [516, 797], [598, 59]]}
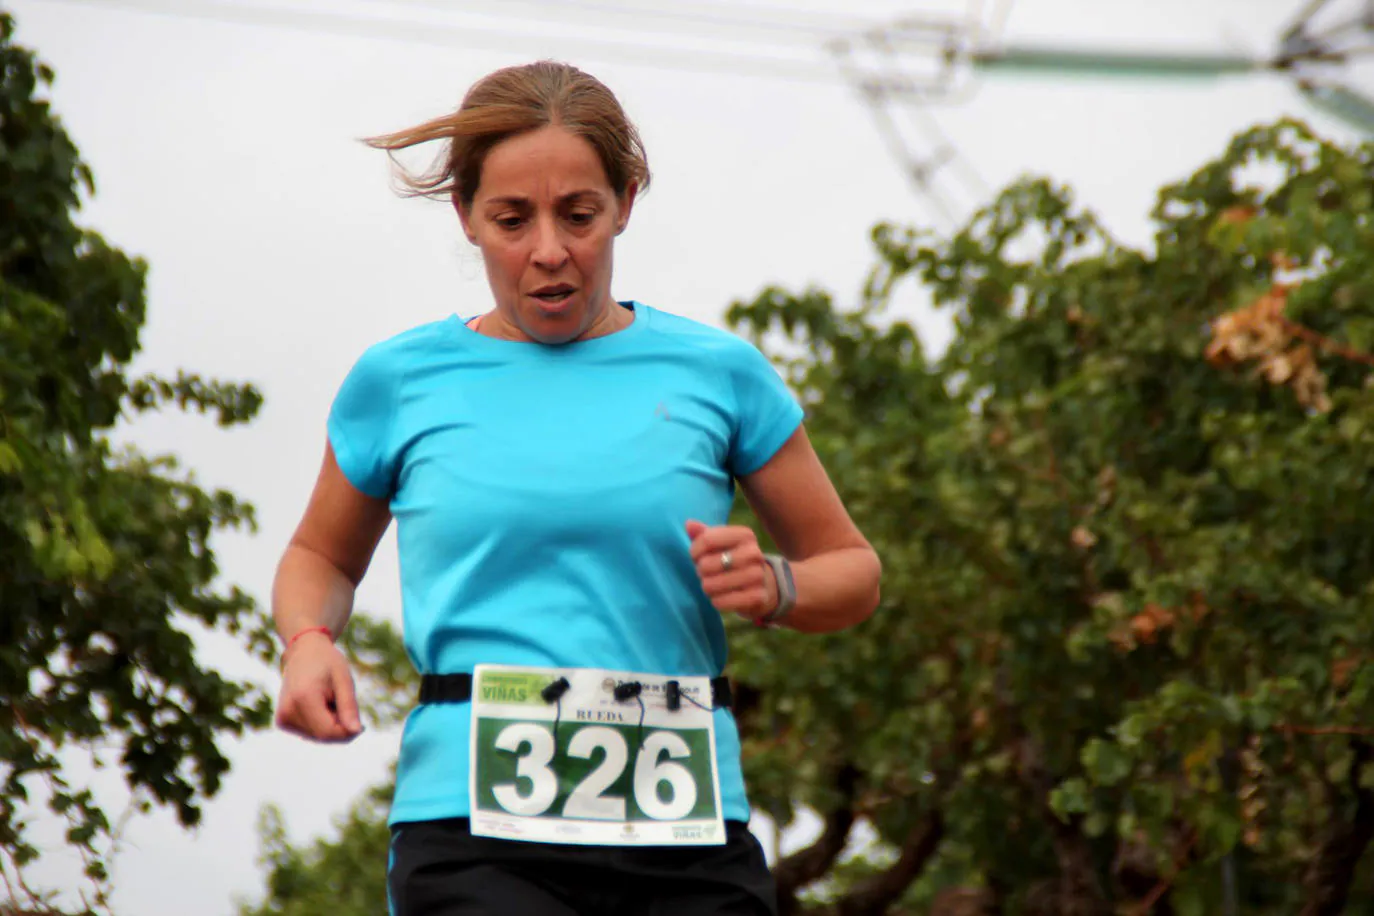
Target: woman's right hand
{"points": [[317, 697]]}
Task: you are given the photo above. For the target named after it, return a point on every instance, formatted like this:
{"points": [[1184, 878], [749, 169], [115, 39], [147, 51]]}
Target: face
{"points": [[546, 218]]}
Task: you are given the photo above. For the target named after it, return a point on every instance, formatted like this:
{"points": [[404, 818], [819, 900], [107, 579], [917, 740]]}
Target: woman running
{"points": [[561, 468]]}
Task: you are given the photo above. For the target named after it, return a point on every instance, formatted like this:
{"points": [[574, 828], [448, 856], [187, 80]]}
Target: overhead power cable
{"points": [[924, 160], [1305, 15], [491, 38], [734, 21]]}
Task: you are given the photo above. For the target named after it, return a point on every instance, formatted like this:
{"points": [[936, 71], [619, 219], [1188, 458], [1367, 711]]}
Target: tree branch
{"points": [[1080, 890], [873, 896], [1322, 342], [1332, 869], [1324, 730], [1146, 905], [806, 865]]}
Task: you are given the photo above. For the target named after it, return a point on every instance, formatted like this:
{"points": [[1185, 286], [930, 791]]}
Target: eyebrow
{"points": [[516, 200]]}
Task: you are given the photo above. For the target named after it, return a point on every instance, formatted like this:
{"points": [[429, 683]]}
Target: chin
{"points": [[555, 331], [553, 340]]}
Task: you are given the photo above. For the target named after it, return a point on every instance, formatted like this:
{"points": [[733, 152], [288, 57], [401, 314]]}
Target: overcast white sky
{"points": [[226, 155]]}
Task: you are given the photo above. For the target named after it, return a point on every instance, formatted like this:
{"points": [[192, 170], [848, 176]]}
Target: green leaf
{"points": [[1105, 762], [9, 459], [104, 552], [1071, 797]]}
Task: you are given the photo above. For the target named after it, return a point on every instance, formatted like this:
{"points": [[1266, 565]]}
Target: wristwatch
{"points": [[787, 590]]}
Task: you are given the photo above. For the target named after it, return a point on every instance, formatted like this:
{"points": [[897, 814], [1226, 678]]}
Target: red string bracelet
{"points": [[307, 631]]}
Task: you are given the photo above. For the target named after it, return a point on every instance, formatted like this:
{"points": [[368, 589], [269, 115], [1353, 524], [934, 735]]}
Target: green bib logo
{"points": [[517, 688]]}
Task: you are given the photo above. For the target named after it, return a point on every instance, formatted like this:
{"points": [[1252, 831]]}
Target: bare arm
{"points": [[837, 572], [314, 586]]}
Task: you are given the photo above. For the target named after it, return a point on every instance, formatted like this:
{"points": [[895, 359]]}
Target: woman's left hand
{"points": [[732, 570]]}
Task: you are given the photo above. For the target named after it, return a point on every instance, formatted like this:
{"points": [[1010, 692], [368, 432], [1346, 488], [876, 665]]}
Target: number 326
{"points": [[588, 800]]}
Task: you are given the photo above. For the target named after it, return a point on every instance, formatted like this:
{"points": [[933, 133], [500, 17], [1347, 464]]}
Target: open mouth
{"points": [[555, 294]]}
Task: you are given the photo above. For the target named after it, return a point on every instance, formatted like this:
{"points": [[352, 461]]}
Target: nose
{"points": [[550, 250]]}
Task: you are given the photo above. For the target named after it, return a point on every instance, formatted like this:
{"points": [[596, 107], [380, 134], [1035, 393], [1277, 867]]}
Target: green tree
{"points": [[105, 557], [1120, 665], [339, 876], [1129, 583]]}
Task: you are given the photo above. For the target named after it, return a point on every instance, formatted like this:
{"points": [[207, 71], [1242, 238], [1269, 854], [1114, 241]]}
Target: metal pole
{"points": [[1061, 61], [1346, 104], [1228, 885]]}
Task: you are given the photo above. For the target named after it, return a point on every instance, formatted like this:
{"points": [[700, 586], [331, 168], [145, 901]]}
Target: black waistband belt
{"points": [[457, 688]]}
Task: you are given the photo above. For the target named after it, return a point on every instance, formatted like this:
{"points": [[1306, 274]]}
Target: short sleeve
{"points": [[360, 423], [767, 411]]}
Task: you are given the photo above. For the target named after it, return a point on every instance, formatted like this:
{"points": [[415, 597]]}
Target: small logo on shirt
{"points": [[662, 411]]}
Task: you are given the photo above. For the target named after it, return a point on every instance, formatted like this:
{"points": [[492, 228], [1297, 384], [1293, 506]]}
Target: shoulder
{"points": [[712, 342], [390, 357], [374, 379], [411, 342]]}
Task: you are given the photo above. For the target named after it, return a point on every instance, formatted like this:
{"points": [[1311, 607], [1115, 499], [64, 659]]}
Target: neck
{"points": [[612, 318]]}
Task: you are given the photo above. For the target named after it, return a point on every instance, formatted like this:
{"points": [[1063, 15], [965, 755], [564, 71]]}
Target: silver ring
{"points": [[727, 562]]}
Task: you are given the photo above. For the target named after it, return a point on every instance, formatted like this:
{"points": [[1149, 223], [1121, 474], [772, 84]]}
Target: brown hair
{"points": [[516, 100]]}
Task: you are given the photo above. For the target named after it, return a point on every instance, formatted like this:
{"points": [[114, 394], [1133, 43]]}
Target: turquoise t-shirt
{"points": [[540, 495]]}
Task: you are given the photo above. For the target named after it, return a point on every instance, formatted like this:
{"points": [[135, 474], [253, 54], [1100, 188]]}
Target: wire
{"points": [[918, 172], [943, 150], [975, 12], [953, 155], [1300, 22], [1360, 25], [790, 17], [997, 22], [485, 38], [790, 28]]}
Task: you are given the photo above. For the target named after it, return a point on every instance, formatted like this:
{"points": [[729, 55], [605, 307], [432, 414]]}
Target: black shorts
{"points": [[438, 868]]}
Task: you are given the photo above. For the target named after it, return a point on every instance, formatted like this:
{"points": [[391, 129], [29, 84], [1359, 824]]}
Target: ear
{"points": [[625, 204], [465, 218]]}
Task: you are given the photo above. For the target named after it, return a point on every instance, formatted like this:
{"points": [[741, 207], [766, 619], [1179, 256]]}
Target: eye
{"points": [[581, 217], [508, 222]]}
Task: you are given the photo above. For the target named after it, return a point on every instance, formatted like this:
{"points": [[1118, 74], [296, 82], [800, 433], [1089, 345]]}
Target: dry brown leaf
{"points": [[1259, 332], [1236, 215], [1343, 668], [1144, 629]]}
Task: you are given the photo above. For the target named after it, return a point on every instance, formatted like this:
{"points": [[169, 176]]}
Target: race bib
{"points": [[591, 768]]}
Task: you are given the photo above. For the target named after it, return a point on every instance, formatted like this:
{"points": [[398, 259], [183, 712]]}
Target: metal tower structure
{"points": [[914, 63]]}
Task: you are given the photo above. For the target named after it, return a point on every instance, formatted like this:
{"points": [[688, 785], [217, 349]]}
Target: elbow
{"points": [[301, 554], [872, 594], [870, 606]]}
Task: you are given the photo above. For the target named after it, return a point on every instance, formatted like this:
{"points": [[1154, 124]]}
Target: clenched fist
{"points": [[317, 698], [732, 570]]}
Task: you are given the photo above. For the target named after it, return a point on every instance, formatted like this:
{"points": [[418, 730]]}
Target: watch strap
{"points": [[787, 590]]}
